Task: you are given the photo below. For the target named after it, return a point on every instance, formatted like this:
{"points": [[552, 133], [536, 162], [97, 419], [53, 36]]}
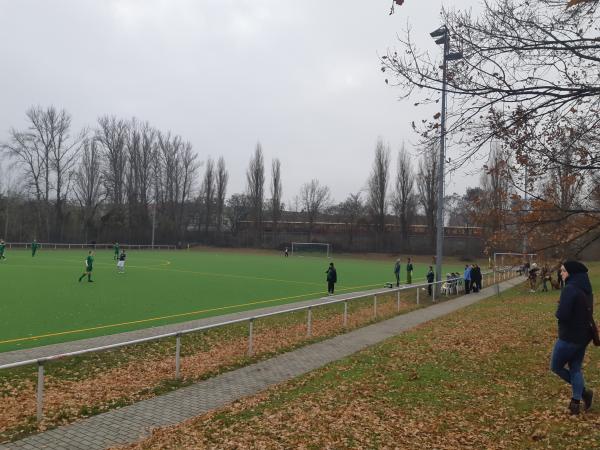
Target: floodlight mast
{"points": [[443, 37]]}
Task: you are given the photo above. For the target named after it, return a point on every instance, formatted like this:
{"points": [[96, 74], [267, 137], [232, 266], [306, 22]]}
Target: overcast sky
{"points": [[300, 76]]}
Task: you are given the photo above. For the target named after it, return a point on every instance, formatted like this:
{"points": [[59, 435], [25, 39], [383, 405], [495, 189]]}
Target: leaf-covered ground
{"points": [[476, 379], [88, 385]]}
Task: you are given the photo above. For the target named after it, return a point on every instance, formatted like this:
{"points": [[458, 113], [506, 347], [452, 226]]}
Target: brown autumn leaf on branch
{"points": [[577, 2]]}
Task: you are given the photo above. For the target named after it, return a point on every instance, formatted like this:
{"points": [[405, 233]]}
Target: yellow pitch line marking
{"points": [[154, 319]]}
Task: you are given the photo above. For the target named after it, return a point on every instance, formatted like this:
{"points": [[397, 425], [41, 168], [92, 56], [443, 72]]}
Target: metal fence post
{"points": [[374, 307], [418, 300], [434, 288], [398, 299], [345, 314], [40, 392], [250, 335], [177, 356], [309, 323]]}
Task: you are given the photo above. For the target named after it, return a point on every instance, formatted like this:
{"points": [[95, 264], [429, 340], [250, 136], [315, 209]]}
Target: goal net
{"points": [[515, 260], [311, 249]]}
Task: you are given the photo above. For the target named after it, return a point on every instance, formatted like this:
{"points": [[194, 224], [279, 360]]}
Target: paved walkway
{"points": [[131, 423]]}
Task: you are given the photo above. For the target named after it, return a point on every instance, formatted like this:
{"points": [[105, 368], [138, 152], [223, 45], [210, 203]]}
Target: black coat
{"points": [[430, 276], [572, 312], [476, 275], [331, 275]]}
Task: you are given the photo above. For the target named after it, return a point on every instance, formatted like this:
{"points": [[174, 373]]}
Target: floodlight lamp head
{"points": [[441, 40], [441, 31], [454, 56]]}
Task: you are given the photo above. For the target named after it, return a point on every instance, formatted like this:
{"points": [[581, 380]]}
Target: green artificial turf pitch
{"points": [[41, 301]]}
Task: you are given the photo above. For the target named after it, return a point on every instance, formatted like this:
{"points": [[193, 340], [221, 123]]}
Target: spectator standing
{"points": [[397, 272], [561, 282], [533, 274], [545, 278], [430, 277], [476, 278], [409, 271], [331, 279], [467, 277], [574, 314]]}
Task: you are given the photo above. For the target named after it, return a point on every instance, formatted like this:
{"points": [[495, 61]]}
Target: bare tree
{"points": [[126, 166], [51, 129], [351, 210], [175, 170], [222, 177], [9, 199], [495, 184], [276, 192], [141, 152], [378, 185], [527, 65], [188, 162], [564, 184], [112, 138], [314, 198], [427, 186], [28, 155], [238, 209], [49, 153], [169, 191], [404, 198], [208, 192], [255, 176], [88, 185], [539, 56]]}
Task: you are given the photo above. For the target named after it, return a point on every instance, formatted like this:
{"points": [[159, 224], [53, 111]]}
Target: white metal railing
{"points": [[487, 277], [55, 246]]}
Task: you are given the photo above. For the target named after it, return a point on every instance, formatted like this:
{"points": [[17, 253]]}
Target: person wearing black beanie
{"points": [[574, 313], [573, 267]]}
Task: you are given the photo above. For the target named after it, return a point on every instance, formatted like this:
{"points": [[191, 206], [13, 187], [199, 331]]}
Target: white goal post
{"points": [[511, 256], [312, 248]]}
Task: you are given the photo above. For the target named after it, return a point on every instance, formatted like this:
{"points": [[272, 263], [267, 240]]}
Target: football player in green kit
{"points": [[34, 247], [116, 248], [89, 262], [2, 247]]}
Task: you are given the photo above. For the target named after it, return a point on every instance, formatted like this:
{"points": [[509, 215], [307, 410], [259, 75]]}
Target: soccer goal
{"points": [[513, 259], [311, 249]]}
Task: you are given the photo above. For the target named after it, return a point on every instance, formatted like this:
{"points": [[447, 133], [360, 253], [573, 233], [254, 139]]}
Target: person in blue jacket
{"points": [[574, 313], [467, 278]]}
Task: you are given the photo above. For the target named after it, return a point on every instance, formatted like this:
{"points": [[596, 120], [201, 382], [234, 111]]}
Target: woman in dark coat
{"points": [[476, 278], [575, 308]]}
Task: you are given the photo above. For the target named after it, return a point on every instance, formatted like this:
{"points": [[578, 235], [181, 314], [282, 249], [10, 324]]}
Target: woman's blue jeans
{"points": [[572, 354]]}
